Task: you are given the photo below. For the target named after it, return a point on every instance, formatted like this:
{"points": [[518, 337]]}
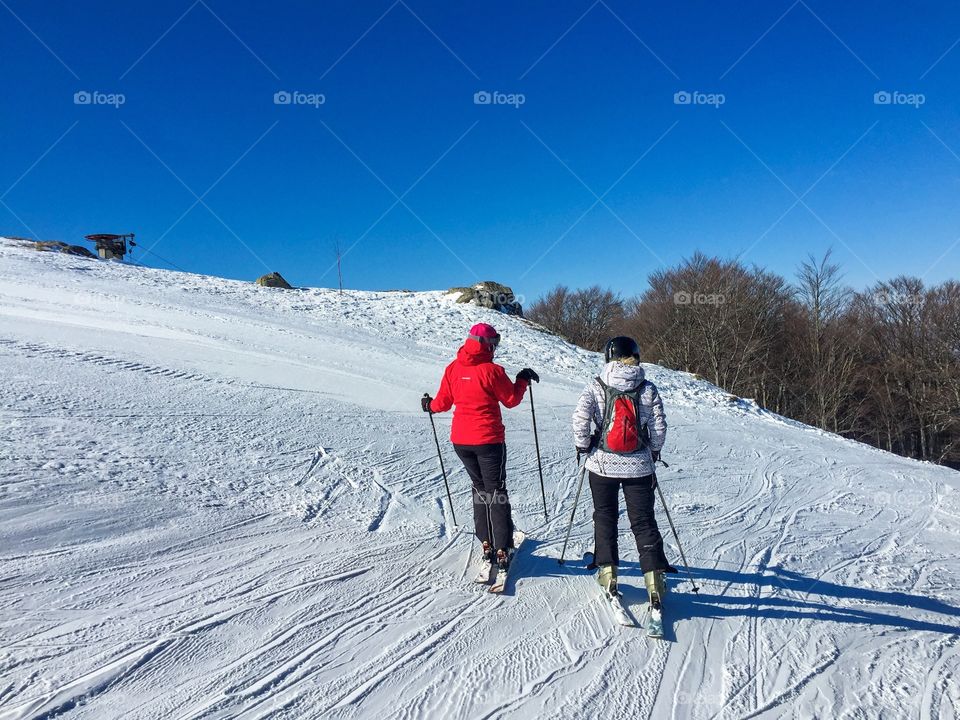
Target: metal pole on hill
{"points": [[442, 469], [536, 442]]}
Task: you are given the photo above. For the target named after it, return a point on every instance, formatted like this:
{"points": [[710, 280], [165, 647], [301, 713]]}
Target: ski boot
{"points": [[656, 589], [607, 578], [656, 586], [487, 558], [503, 557]]}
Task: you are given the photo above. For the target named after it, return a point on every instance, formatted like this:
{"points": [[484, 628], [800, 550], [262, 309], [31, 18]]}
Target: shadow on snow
{"points": [[776, 593]]}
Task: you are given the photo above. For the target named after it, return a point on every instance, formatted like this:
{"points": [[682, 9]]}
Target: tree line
{"points": [[881, 366]]}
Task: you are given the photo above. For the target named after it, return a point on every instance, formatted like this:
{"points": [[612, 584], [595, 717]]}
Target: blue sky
{"points": [[599, 176]]}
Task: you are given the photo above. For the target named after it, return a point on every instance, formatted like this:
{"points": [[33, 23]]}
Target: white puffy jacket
{"points": [[589, 413]]}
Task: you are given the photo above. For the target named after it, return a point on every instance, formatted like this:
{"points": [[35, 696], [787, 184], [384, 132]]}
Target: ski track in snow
{"points": [[222, 501]]}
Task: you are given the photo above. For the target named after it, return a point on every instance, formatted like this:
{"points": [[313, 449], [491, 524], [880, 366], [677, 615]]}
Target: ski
{"points": [[619, 612], [485, 575], [655, 622], [500, 582]]}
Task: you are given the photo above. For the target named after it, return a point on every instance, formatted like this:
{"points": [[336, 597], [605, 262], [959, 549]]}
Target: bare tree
{"points": [[714, 317], [912, 371], [587, 318], [881, 366], [551, 310], [828, 351], [945, 332]]}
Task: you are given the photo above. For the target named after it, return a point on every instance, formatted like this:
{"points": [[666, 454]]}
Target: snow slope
{"points": [[219, 500]]}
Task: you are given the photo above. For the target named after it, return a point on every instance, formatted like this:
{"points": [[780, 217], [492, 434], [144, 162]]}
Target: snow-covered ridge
{"points": [[220, 500], [429, 319]]}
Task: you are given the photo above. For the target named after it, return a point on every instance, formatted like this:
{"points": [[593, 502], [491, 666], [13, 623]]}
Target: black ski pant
{"points": [[639, 496], [487, 467]]}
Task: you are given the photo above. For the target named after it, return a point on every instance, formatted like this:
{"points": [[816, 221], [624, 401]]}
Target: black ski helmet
{"points": [[621, 347]]}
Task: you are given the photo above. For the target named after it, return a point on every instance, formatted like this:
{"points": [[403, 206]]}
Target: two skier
{"points": [[623, 406], [477, 386]]}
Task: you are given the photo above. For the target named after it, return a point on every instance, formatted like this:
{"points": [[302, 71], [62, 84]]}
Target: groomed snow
{"points": [[219, 500]]}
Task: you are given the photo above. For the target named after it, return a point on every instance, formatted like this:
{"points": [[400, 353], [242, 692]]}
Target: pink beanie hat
{"points": [[484, 333]]}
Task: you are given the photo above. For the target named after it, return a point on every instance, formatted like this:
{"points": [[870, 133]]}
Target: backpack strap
{"points": [[596, 439], [644, 430], [638, 389]]}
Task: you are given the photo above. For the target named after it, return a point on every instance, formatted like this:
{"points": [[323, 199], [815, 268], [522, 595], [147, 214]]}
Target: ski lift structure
{"points": [[112, 247]]}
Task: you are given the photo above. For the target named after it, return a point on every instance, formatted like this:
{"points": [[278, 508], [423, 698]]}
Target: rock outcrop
{"points": [[491, 295], [62, 247], [274, 280]]}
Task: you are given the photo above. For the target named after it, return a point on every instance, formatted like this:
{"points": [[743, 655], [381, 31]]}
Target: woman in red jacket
{"points": [[477, 386]]}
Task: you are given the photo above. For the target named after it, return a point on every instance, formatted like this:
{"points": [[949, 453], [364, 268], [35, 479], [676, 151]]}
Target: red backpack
{"points": [[621, 432]]}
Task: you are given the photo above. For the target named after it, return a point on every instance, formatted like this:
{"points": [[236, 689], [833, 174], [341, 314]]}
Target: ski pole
{"points": [[536, 442], [442, 469], [686, 565], [573, 514]]}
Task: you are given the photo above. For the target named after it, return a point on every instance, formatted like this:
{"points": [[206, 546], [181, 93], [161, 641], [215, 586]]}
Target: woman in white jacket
{"points": [[613, 465]]}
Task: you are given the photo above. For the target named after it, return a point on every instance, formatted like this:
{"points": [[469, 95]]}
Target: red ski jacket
{"points": [[477, 386]]}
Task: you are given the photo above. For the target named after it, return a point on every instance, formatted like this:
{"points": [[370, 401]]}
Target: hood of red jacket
{"points": [[475, 352]]}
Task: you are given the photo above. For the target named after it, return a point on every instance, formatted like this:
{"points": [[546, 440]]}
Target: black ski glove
{"points": [[655, 454], [528, 375], [425, 403]]}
